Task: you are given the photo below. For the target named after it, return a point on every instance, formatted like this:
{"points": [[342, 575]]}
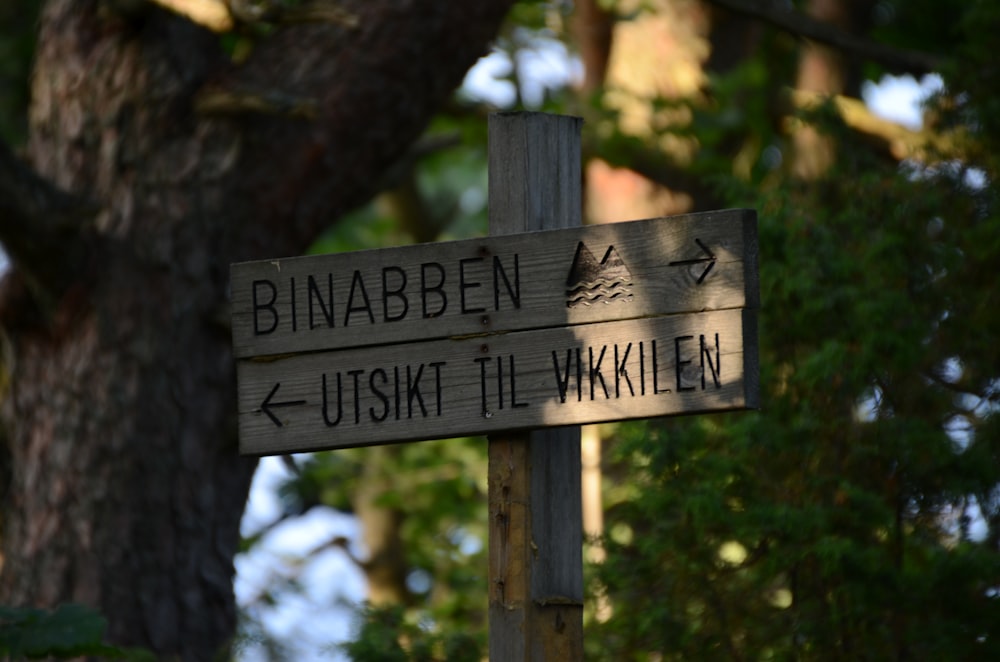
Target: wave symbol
{"points": [[590, 281], [586, 294]]}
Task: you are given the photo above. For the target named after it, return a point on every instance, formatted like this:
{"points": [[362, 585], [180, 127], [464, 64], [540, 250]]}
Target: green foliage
{"points": [[69, 631], [856, 516], [385, 635], [837, 519], [17, 44], [436, 492], [972, 78], [438, 488], [921, 25]]}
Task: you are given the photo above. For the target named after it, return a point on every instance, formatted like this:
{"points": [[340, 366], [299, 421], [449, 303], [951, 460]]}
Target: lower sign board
{"points": [[591, 373]]}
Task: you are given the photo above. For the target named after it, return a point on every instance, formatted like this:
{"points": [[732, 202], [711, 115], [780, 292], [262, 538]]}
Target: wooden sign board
{"points": [[547, 279], [591, 373], [561, 327]]}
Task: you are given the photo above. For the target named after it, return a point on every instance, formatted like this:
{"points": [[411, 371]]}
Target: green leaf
{"points": [[71, 630]]}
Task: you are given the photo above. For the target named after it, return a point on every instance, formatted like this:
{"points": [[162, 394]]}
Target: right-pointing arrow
{"points": [[710, 258], [267, 405]]}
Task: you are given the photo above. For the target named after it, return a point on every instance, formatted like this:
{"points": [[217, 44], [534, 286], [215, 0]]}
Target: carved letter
{"points": [[679, 365], [317, 296], [397, 294], [358, 285], [463, 285], [498, 274], [268, 306], [706, 357], [340, 409], [438, 289]]}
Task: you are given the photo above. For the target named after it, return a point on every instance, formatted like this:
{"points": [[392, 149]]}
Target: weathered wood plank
{"points": [[654, 267], [536, 184], [557, 519], [591, 373]]}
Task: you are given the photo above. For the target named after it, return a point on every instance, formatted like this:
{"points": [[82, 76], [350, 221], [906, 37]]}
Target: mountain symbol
{"points": [[590, 281]]}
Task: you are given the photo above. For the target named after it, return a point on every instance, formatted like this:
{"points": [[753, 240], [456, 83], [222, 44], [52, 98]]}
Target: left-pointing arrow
{"points": [[267, 405]]}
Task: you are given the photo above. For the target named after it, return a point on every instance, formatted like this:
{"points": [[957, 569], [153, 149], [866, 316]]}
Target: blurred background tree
{"points": [[161, 141], [17, 46], [855, 516]]}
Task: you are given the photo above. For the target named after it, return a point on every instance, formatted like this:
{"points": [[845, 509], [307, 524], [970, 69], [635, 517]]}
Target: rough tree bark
{"points": [[123, 489]]}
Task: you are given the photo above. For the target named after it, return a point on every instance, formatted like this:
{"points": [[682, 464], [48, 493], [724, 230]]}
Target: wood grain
{"points": [[534, 613], [528, 379], [490, 285]]}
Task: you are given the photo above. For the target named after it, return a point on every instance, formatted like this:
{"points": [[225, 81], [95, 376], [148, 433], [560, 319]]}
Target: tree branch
{"points": [[592, 27], [902, 143], [402, 199], [798, 24], [657, 166], [212, 14], [358, 95], [42, 228], [223, 15]]}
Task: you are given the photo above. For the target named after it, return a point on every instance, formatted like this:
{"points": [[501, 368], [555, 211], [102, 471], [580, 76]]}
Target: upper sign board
{"points": [[548, 279]]}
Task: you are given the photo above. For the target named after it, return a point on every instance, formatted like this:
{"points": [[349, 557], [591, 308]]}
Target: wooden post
{"points": [[535, 534]]}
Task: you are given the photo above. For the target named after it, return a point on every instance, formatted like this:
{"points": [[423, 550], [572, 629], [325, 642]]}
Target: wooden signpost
{"points": [[539, 328], [526, 330]]}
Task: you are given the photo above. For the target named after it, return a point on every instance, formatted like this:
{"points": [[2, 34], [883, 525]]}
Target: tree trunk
{"points": [[657, 53], [124, 489], [824, 71], [385, 566]]}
